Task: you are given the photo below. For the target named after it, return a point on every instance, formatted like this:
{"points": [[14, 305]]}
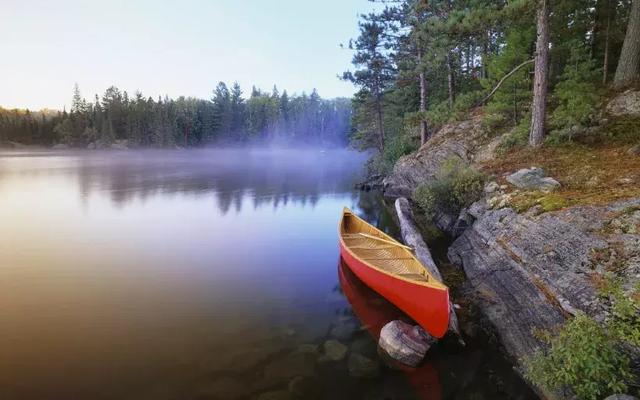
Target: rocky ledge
{"points": [[529, 272]]}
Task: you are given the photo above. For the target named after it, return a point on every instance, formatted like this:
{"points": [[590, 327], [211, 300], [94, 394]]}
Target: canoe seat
{"points": [[415, 277]]}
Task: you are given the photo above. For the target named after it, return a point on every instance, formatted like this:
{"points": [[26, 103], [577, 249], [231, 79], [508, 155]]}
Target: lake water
{"points": [[196, 275]]}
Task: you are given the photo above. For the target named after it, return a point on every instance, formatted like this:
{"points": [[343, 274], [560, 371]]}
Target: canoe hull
{"points": [[428, 306]]}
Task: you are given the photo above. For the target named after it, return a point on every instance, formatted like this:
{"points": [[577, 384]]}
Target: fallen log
{"points": [[412, 237]]}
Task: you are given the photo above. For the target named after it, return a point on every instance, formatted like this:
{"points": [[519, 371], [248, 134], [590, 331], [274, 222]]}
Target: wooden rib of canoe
{"points": [[390, 268]]}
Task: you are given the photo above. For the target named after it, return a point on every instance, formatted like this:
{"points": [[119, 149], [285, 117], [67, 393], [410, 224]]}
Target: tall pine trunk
{"points": [[539, 107], [380, 122], [450, 80], [424, 133], [629, 64], [605, 61]]}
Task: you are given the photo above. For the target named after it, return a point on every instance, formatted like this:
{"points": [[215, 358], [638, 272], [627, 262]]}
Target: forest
{"points": [[227, 118], [538, 67]]}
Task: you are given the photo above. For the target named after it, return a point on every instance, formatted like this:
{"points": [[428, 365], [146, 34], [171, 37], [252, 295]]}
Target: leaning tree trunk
{"points": [[412, 237], [536, 135], [424, 133], [629, 64]]}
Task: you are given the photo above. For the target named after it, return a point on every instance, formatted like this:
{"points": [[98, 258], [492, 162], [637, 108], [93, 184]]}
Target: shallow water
{"points": [[198, 274]]}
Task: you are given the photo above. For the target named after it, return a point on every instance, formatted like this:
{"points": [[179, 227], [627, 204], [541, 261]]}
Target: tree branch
{"points": [[504, 78]]}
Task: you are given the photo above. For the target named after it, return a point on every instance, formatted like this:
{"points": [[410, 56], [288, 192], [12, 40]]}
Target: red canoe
{"points": [[390, 268]]}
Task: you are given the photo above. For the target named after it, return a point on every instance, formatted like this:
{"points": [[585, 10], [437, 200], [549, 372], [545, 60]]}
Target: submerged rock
{"points": [[304, 387], [363, 367], [533, 178], [404, 343], [225, 388], [283, 369], [334, 351]]}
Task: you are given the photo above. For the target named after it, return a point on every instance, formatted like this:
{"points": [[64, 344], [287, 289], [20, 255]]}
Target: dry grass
{"points": [[589, 174]]}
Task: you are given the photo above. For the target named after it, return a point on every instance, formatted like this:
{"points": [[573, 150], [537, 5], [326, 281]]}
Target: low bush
{"points": [[587, 357], [456, 186]]}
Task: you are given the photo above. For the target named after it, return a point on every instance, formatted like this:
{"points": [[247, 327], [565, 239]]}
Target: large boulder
{"points": [[404, 343], [625, 104], [533, 178]]}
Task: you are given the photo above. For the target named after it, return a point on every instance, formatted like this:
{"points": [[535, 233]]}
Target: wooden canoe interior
{"points": [[384, 253]]}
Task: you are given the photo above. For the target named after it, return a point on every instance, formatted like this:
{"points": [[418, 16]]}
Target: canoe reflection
{"points": [[374, 312]]}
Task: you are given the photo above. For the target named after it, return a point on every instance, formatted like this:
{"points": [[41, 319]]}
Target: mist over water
{"points": [[168, 274]]}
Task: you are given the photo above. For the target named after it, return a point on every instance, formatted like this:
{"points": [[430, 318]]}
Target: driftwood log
{"points": [[412, 237]]}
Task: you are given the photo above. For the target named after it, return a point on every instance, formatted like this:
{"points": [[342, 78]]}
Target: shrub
{"points": [[456, 186], [587, 357], [584, 357], [576, 95], [517, 137]]}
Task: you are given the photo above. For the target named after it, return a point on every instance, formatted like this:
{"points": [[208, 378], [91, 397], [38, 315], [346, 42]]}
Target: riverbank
{"points": [[533, 259]]}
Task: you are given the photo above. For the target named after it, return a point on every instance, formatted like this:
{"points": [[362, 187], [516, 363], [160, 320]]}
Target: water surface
{"points": [[197, 274]]}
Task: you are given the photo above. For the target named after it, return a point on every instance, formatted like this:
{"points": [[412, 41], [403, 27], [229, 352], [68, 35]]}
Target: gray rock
{"points": [[634, 151], [621, 397], [491, 187], [460, 139], [534, 179], [363, 367], [60, 146], [334, 351], [625, 104], [530, 272], [405, 343]]}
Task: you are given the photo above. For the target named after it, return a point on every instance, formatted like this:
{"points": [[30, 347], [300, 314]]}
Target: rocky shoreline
{"points": [[526, 271]]}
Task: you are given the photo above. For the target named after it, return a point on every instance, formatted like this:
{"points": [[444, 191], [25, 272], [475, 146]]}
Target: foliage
{"points": [[228, 118], [624, 322], [576, 95], [584, 357], [516, 137], [587, 357], [456, 186]]}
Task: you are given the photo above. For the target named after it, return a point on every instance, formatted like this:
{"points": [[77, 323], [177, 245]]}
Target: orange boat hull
{"points": [[428, 306]]}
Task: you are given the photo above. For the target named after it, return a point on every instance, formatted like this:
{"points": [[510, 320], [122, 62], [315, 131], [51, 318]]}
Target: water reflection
{"points": [[175, 275], [267, 176]]}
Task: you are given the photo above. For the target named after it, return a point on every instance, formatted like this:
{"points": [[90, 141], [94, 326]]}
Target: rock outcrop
{"points": [[626, 104], [464, 140], [530, 272]]}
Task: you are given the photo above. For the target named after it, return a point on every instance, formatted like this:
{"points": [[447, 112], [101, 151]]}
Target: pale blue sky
{"points": [[171, 47]]}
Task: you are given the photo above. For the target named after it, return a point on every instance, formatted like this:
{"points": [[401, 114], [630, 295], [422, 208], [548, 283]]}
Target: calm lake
{"points": [[200, 274]]}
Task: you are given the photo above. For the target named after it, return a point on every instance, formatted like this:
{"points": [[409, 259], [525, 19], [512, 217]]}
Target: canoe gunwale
{"points": [[431, 282]]}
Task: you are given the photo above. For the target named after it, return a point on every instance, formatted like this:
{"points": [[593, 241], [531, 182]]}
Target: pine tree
{"points": [[629, 64]]}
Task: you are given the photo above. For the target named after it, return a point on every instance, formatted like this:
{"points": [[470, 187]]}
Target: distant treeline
{"points": [[141, 121]]}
